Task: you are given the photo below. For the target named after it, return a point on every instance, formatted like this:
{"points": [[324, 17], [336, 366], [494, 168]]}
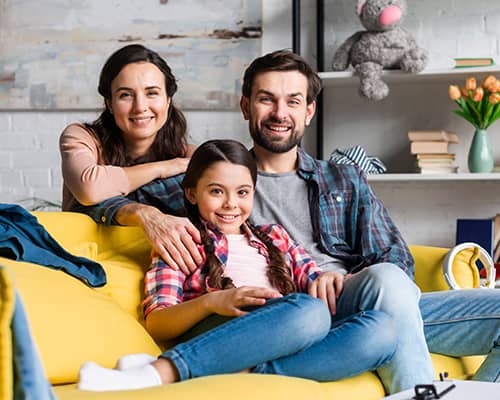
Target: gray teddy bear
{"points": [[383, 45]]}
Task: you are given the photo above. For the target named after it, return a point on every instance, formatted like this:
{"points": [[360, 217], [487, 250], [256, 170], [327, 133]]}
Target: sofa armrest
{"points": [[429, 268]]}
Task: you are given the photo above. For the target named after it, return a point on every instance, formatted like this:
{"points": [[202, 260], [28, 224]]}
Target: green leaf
{"points": [[475, 112], [467, 116], [495, 115], [487, 114]]}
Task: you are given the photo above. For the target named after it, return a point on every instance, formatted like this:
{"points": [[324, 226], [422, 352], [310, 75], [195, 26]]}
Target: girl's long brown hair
{"points": [[170, 142], [234, 152]]}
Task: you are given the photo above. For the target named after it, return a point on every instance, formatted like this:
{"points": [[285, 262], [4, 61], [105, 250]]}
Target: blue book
{"points": [[478, 231]]}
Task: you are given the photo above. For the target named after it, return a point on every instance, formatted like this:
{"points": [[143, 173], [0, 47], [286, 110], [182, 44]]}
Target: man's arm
{"points": [[377, 234], [158, 208]]}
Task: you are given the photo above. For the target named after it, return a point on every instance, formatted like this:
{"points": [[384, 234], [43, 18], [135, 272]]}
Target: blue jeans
{"points": [[463, 323], [454, 323], [293, 336], [30, 382]]}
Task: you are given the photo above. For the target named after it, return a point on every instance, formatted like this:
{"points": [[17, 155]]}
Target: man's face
{"points": [[277, 110]]}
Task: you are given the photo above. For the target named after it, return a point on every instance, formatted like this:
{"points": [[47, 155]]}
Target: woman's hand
{"points": [[328, 287], [172, 167], [229, 302]]}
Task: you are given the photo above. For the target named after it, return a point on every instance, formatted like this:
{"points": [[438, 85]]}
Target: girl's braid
{"points": [[278, 272], [215, 271]]}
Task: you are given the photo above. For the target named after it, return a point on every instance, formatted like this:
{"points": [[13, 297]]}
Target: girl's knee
{"points": [[311, 315]]}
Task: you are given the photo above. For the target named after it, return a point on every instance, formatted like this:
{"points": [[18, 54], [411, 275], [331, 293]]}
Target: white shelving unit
{"points": [[344, 85], [347, 78], [494, 176], [423, 206]]}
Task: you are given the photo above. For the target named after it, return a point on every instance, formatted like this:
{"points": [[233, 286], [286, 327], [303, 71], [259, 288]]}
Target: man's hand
{"points": [[173, 238], [229, 302], [328, 287]]}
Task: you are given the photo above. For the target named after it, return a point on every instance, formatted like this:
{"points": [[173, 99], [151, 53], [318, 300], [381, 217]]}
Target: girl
{"points": [[247, 308]]}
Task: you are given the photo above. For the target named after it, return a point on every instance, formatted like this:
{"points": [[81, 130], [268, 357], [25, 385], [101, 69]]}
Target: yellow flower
{"points": [[454, 92], [478, 94], [470, 83], [494, 98]]}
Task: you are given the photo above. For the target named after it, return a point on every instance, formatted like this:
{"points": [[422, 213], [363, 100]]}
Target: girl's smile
{"points": [[224, 196]]}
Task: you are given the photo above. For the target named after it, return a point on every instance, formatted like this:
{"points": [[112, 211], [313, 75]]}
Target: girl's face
{"points": [[224, 196], [139, 104]]}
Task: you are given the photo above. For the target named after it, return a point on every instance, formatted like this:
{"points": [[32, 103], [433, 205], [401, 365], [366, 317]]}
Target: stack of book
{"points": [[431, 149]]}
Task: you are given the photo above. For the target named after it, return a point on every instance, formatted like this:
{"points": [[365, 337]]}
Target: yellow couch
{"points": [[72, 323]]}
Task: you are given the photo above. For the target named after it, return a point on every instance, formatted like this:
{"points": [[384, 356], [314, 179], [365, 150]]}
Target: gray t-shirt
{"points": [[283, 199]]}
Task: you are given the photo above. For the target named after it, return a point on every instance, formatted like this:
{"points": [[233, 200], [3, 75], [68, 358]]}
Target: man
{"points": [[335, 215]]}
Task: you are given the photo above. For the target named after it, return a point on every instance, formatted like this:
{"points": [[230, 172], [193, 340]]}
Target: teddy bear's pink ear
{"points": [[361, 5]]}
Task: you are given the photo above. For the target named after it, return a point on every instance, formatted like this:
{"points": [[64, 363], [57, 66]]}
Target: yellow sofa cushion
{"points": [[72, 323]]}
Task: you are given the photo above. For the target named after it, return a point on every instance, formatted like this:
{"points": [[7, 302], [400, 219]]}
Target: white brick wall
{"points": [[29, 147], [425, 213]]}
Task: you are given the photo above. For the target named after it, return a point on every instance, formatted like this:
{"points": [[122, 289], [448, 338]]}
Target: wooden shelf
{"points": [[346, 78], [411, 177]]}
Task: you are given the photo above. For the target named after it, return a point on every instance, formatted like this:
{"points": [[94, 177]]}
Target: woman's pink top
{"points": [[86, 178]]}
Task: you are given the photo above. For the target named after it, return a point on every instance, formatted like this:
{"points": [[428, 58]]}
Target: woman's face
{"points": [[139, 104]]}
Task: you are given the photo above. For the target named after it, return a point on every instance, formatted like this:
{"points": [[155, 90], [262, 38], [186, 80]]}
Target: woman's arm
{"points": [[141, 174], [90, 181]]}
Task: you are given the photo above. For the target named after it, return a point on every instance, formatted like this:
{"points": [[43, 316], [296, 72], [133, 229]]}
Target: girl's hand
{"points": [[327, 287], [229, 302], [171, 167]]}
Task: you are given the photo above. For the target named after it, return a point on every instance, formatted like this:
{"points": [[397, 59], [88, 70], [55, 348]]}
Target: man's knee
{"points": [[390, 279], [381, 287]]}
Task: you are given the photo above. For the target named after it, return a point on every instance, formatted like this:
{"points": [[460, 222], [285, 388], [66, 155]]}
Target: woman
{"points": [[139, 137]]}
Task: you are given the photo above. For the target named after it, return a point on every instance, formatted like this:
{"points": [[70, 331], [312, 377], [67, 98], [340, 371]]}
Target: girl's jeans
{"points": [[293, 336], [455, 323]]}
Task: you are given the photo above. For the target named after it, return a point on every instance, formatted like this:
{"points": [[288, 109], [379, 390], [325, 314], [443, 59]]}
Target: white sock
{"points": [[96, 378], [134, 360]]}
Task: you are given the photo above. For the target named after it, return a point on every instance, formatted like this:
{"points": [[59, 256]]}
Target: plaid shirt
{"points": [[165, 194], [349, 221], [165, 287]]}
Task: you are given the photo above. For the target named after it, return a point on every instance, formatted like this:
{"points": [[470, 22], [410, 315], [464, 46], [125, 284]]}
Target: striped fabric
{"points": [[357, 155]]}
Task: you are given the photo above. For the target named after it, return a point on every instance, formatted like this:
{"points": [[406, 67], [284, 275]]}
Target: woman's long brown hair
{"points": [[170, 142]]}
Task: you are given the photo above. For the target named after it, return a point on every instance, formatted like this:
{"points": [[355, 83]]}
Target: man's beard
{"points": [[274, 144]]}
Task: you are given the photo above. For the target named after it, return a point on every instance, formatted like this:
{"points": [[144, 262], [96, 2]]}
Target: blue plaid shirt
{"points": [[349, 221], [165, 194]]}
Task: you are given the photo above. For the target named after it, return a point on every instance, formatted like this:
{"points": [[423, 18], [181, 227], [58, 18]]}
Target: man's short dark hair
{"points": [[282, 60]]}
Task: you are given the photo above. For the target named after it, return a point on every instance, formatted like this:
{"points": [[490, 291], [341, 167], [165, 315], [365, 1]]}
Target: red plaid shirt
{"points": [[165, 286]]}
